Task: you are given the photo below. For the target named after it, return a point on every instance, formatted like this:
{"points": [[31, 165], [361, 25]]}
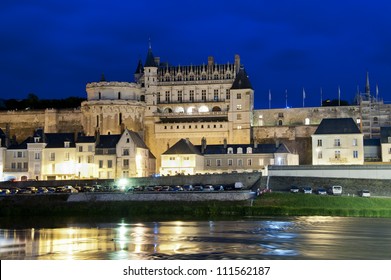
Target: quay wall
{"points": [[162, 196], [353, 179]]}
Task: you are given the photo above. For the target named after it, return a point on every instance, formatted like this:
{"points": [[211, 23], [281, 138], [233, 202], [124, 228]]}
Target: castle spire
{"points": [[150, 60], [367, 86]]}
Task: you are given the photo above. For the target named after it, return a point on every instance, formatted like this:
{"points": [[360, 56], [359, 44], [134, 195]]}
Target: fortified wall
{"points": [[23, 123], [294, 126]]}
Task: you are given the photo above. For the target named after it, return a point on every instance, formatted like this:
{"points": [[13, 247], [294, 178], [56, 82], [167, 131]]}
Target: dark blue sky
{"points": [[54, 49]]}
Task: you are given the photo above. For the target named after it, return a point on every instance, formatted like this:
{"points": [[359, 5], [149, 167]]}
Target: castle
{"points": [[212, 101]]}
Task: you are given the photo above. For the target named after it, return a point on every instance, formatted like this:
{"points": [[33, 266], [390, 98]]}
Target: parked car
{"points": [[14, 190], [32, 189], [307, 190], [239, 185], [42, 190], [219, 188], [294, 189], [24, 191], [321, 191], [365, 193], [188, 187], [336, 190], [5, 192], [198, 188], [208, 188]]}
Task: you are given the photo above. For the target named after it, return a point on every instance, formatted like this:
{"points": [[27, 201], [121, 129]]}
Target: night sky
{"points": [[54, 49]]}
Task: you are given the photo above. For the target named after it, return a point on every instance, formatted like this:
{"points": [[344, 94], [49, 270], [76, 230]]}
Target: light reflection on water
{"points": [[274, 238]]}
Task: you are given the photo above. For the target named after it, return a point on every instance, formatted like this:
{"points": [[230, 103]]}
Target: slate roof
{"points": [[338, 126], [260, 149], [140, 68], [21, 146], [56, 140], [138, 142], [150, 60], [241, 80], [185, 147], [108, 141], [85, 139], [182, 147], [385, 132]]}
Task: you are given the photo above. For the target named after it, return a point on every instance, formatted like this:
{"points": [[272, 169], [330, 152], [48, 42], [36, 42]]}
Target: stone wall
{"points": [[162, 196], [23, 123], [350, 186]]}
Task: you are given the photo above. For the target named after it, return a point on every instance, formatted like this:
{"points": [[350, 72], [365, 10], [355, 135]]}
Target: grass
{"points": [[304, 205], [270, 204]]}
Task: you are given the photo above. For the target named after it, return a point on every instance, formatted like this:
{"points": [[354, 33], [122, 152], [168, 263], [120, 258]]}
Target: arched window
{"points": [[280, 122], [307, 121], [230, 151], [216, 109]]}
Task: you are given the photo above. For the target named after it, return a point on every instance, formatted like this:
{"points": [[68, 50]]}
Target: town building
{"points": [[63, 156], [337, 141], [185, 158]]}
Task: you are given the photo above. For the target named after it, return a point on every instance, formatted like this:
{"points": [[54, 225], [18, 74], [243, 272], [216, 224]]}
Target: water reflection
{"points": [[294, 238]]}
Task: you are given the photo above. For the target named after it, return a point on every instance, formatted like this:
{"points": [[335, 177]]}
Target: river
{"points": [[303, 238]]}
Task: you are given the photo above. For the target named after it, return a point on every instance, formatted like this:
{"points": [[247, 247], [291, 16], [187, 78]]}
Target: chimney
{"points": [[203, 144], [225, 143], [211, 61], [255, 144], [277, 143], [97, 136], [237, 63], [7, 135]]}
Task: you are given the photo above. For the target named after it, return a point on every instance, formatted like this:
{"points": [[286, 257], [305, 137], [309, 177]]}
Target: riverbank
{"points": [[269, 204]]}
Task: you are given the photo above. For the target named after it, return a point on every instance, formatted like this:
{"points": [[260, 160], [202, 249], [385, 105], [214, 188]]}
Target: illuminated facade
{"points": [[168, 102], [185, 158], [61, 156], [337, 141]]}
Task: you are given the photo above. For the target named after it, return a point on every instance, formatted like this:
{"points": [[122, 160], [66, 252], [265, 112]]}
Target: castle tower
{"points": [[241, 108], [150, 82]]}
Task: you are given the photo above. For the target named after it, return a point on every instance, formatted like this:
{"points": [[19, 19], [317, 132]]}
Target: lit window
{"points": [[355, 154], [337, 154]]}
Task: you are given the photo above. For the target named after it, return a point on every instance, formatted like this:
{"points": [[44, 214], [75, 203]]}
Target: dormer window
{"points": [[240, 151], [249, 150], [230, 151], [66, 144], [36, 139]]}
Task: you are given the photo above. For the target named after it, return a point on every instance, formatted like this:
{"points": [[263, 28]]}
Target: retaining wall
{"points": [[159, 196]]}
